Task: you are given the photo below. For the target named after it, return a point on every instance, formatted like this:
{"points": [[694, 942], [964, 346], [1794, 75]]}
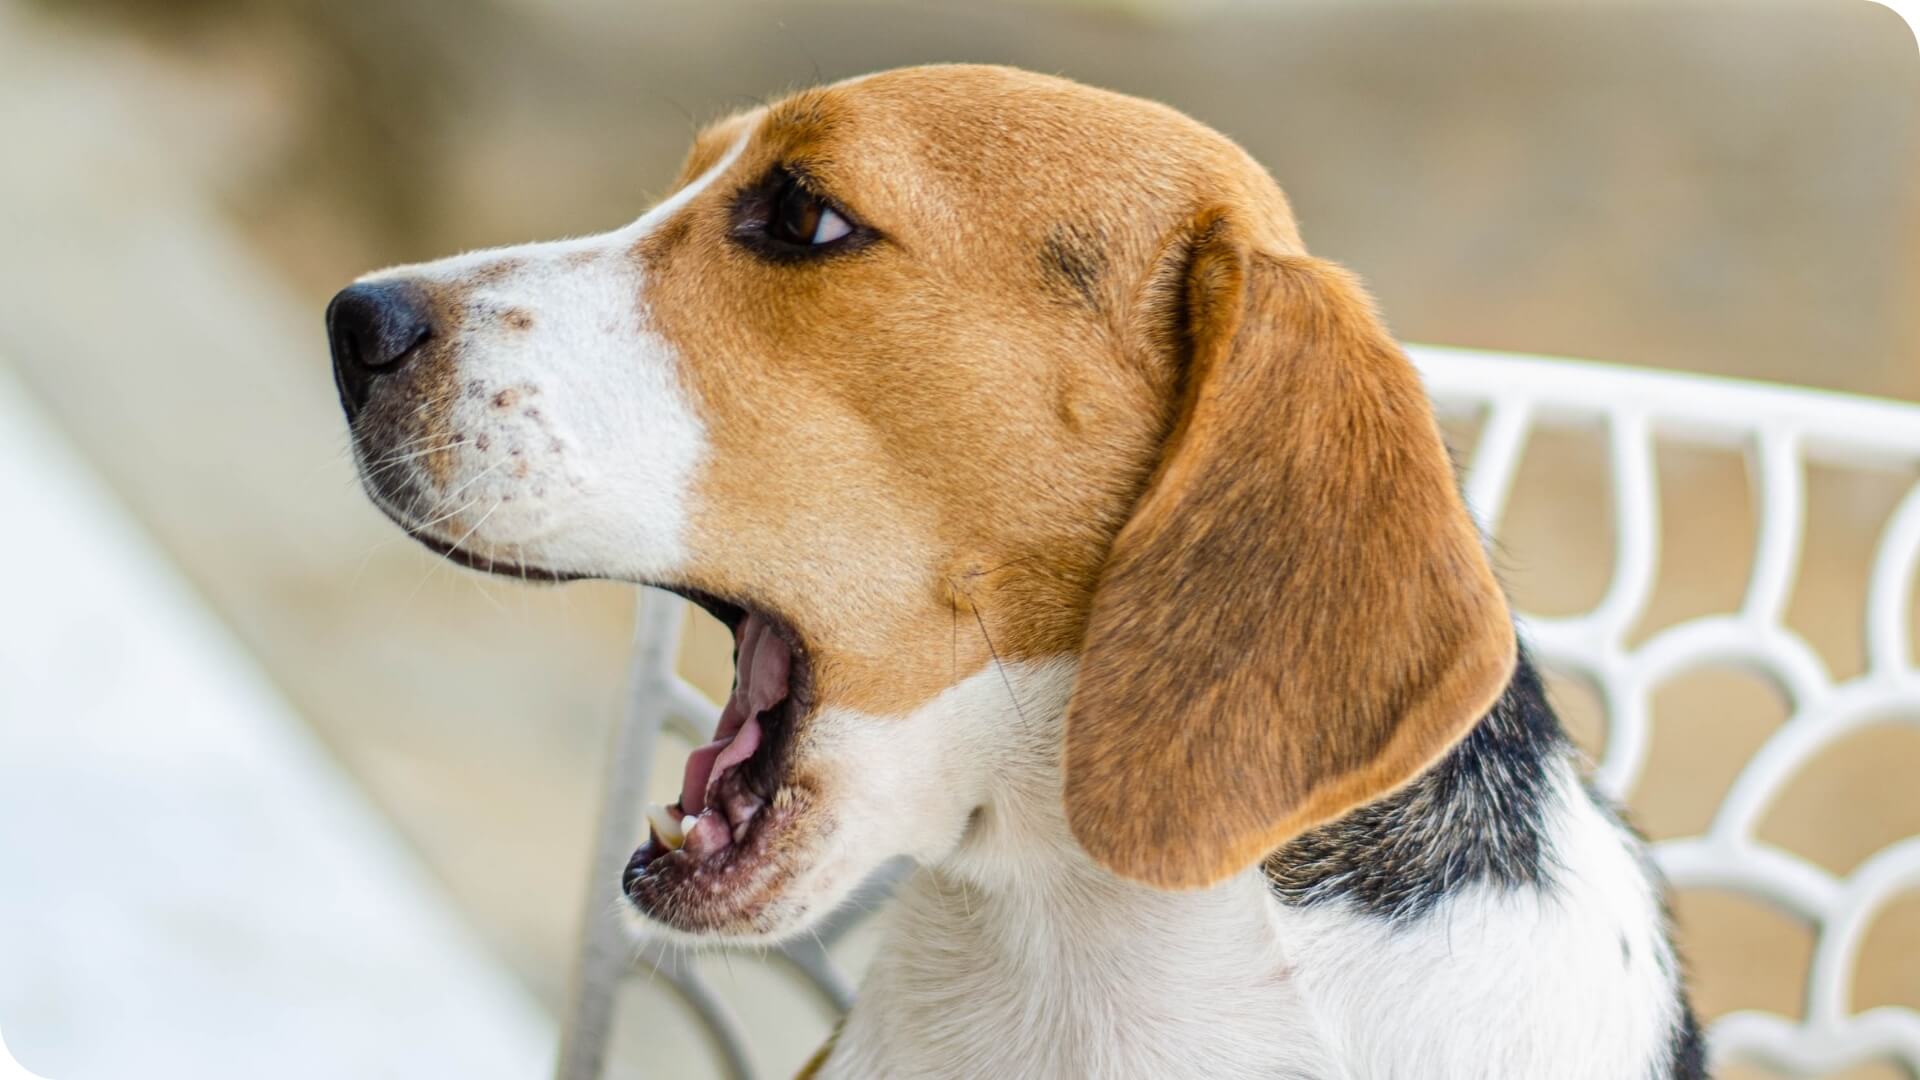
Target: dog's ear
{"points": [[1299, 616]]}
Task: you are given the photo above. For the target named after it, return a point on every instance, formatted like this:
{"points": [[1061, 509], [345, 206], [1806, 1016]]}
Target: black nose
{"points": [[373, 329]]}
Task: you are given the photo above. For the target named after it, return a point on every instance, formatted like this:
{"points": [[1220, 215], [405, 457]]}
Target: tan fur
{"points": [[988, 437], [1087, 324], [1299, 617]]}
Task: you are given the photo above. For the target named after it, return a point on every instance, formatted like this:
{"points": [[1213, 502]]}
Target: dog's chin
{"points": [[752, 892]]}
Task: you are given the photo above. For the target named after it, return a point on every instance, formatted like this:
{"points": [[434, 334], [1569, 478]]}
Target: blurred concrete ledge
{"points": [[196, 384], [188, 885]]}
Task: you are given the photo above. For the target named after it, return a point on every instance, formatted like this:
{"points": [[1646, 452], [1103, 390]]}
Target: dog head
{"points": [[1013, 431]]}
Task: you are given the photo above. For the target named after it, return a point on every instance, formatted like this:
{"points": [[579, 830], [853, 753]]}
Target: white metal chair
{"points": [[1782, 430]]}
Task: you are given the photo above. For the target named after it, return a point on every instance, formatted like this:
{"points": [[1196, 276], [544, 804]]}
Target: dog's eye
{"points": [[801, 218], [782, 219]]}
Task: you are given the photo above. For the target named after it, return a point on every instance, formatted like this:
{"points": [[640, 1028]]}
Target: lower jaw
{"points": [[715, 865], [730, 891]]}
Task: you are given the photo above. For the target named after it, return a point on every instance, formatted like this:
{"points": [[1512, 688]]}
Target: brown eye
{"points": [[802, 219], [782, 219]]}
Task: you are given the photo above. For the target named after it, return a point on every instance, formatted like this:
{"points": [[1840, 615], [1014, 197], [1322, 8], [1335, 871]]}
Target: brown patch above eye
{"points": [[807, 117], [1073, 259], [517, 319]]}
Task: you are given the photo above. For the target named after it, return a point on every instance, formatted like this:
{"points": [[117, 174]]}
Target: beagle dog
{"points": [[1083, 540]]}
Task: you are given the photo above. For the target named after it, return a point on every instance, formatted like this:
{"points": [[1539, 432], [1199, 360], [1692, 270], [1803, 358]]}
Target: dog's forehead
{"points": [[711, 144], [1033, 149]]}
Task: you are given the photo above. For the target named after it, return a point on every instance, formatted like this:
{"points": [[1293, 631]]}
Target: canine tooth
{"points": [[687, 823], [669, 830], [707, 834]]}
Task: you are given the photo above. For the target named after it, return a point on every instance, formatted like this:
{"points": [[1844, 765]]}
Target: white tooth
{"points": [[671, 834], [687, 823]]}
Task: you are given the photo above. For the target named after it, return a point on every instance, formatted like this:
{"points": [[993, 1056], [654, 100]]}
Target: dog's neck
{"points": [[1052, 958], [1048, 954], [1479, 815], [1016, 955]]}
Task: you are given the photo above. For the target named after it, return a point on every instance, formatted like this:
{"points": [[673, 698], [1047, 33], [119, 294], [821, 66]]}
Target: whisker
{"points": [[406, 454], [954, 676], [475, 478], [468, 505], [1000, 667], [448, 560]]}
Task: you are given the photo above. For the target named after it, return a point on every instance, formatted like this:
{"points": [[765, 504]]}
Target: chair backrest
{"points": [[1782, 430]]}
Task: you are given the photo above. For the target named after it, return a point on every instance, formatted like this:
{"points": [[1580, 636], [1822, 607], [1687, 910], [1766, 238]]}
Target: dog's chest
{"points": [[1055, 983]]}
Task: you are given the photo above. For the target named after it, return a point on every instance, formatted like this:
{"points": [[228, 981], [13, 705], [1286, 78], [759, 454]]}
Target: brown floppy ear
{"points": [[1299, 617]]}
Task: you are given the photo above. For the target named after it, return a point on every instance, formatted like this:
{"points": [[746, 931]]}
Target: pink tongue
{"points": [[759, 682]]}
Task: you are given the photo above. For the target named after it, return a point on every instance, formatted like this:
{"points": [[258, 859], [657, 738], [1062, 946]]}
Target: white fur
{"points": [[897, 787], [1502, 982], [1010, 954], [587, 374]]}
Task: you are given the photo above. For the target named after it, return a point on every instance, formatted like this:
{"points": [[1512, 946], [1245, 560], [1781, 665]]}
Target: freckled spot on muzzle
{"points": [[494, 272]]}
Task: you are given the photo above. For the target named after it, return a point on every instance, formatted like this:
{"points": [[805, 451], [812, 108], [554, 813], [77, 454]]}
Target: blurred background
{"points": [[1731, 189]]}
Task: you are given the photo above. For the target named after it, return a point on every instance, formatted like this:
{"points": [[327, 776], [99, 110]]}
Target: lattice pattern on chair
{"points": [[1782, 429]]}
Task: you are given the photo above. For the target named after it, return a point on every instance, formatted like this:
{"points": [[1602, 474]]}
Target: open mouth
{"points": [[732, 793]]}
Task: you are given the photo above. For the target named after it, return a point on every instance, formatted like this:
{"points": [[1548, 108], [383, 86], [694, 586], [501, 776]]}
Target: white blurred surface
{"points": [[188, 885]]}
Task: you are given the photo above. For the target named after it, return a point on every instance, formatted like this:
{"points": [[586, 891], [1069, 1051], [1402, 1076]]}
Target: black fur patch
{"points": [[1689, 1057], [1074, 259], [1475, 817]]}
